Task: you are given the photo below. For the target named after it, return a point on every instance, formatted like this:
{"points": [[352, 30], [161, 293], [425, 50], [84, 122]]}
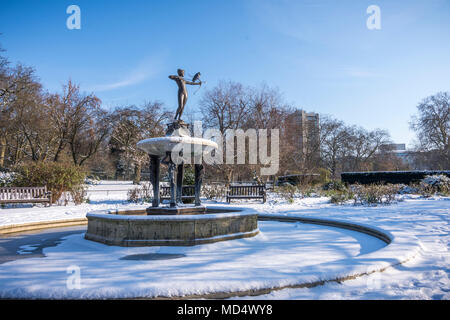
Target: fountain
{"points": [[176, 224], [164, 149]]}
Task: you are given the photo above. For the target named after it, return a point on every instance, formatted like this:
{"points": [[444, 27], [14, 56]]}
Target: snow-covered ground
{"points": [[279, 254], [105, 195], [424, 277]]}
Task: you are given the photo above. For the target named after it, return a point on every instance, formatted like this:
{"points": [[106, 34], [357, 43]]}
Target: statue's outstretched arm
{"points": [[193, 83]]}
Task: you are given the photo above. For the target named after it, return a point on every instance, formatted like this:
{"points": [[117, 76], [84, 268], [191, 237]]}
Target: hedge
{"points": [[394, 177]]}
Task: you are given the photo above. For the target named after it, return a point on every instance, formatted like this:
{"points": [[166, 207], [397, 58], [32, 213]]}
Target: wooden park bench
{"points": [[25, 195], [188, 192], [247, 192]]}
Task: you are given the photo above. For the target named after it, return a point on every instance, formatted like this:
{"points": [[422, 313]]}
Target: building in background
{"points": [[306, 130], [399, 150]]}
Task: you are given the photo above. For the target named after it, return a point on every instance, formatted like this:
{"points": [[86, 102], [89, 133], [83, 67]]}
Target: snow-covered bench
{"points": [[247, 192], [25, 195]]}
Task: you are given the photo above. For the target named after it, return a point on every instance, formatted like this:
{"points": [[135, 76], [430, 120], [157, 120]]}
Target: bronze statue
{"points": [[182, 92]]}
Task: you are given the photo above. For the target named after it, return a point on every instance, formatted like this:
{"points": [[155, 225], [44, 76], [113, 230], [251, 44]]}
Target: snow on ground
{"points": [[105, 195], [425, 277], [280, 251]]}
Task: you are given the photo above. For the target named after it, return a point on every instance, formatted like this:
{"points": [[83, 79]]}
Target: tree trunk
{"points": [[228, 176], [58, 151], [137, 173], [2, 151]]}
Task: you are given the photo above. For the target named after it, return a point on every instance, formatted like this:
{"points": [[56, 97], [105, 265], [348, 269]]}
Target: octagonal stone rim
{"points": [[169, 230]]}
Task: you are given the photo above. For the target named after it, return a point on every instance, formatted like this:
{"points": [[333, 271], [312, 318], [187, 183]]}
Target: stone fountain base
{"points": [[135, 228]]}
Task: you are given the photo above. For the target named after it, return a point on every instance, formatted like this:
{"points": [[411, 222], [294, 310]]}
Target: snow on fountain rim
{"points": [[178, 139], [110, 214]]}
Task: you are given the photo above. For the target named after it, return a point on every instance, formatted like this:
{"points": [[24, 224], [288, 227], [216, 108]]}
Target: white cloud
{"points": [[145, 70], [361, 73]]}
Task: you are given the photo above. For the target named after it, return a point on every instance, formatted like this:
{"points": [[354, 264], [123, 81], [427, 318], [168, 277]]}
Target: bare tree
{"points": [[73, 115], [267, 110], [432, 125], [230, 105], [352, 148], [87, 134], [334, 143], [132, 124], [224, 107], [14, 84], [363, 147], [31, 121], [81, 125]]}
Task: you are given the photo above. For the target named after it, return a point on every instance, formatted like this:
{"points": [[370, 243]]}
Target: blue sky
{"points": [[320, 54]]}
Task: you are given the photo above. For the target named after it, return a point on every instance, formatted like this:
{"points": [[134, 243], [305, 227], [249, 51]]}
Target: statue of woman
{"points": [[182, 92]]}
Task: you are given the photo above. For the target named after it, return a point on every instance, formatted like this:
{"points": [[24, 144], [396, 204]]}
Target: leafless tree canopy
{"points": [[72, 126], [130, 125], [332, 145], [432, 125], [39, 126]]}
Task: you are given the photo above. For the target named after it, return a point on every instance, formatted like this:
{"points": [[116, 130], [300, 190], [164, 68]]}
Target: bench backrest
{"points": [[256, 190], [13, 193]]}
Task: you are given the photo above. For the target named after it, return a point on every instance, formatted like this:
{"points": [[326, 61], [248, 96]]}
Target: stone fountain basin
{"points": [[168, 230], [161, 145]]}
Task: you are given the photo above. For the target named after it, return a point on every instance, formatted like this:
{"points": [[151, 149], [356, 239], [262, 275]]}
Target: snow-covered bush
{"points": [[309, 190], [214, 191], [371, 194], [340, 197], [287, 192], [142, 193], [334, 185], [337, 191], [435, 184], [7, 179], [78, 194], [374, 194], [406, 189]]}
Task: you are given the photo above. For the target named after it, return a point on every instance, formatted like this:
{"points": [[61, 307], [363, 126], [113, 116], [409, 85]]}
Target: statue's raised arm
{"points": [[193, 83]]}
